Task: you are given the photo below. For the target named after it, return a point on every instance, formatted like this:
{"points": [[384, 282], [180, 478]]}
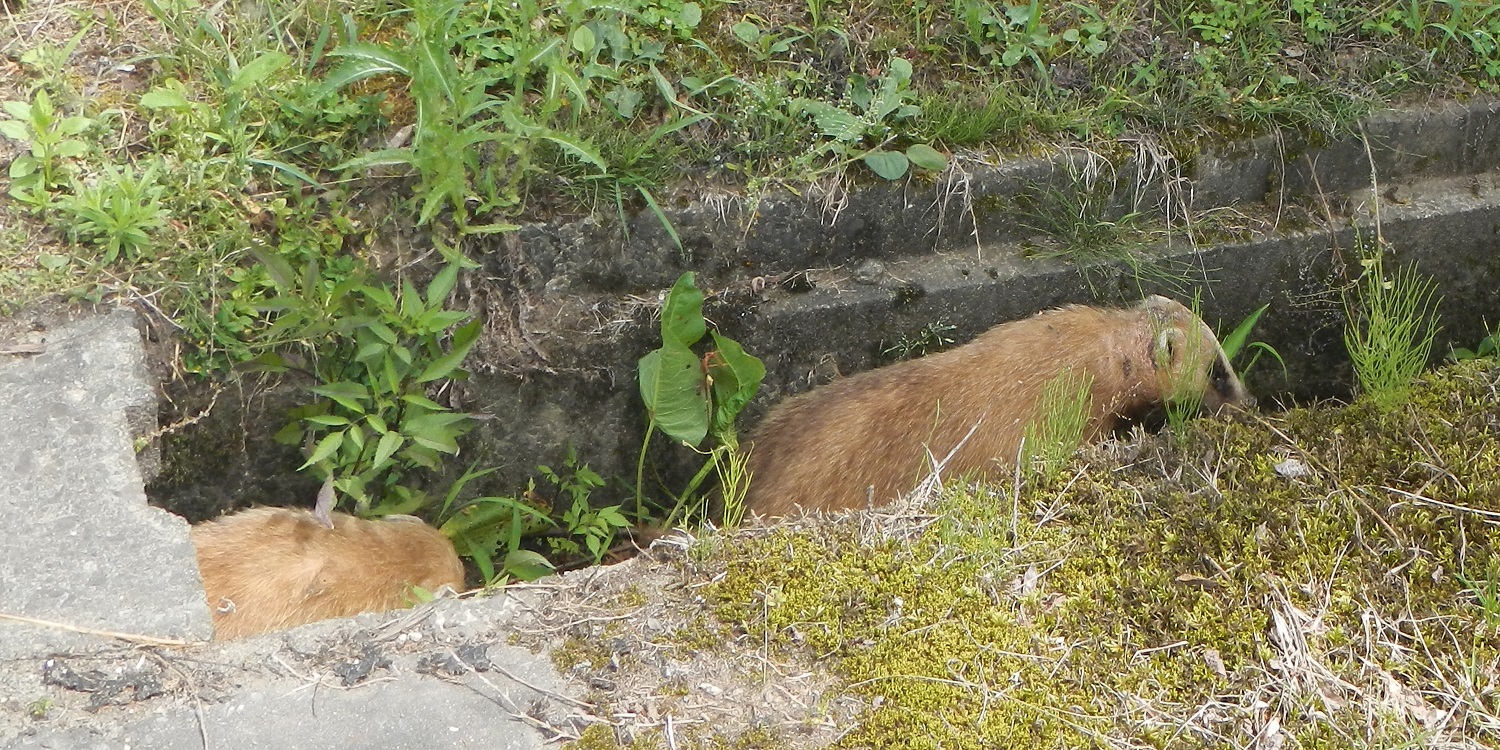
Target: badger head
{"points": [[1189, 362]]}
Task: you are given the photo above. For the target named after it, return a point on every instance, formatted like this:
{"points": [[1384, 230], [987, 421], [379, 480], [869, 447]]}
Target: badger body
{"points": [[274, 568], [865, 439]]}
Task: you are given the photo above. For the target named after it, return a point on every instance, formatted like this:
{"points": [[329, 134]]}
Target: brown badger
{"points": [[864, 439], [274, 568]]}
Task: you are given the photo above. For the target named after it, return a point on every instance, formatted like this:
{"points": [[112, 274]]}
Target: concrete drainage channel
{"points": [[816, 290], [568, 312]]}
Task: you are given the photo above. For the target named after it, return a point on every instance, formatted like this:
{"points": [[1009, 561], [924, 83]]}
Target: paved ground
{"points": [[83, 551]]}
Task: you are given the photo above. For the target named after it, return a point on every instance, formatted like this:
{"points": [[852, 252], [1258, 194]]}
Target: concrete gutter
{"points": [[822, 285]]}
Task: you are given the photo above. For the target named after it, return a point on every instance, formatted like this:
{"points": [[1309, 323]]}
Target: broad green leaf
{"points": [[15, 130], [326, 447], [437, 442], [422, 401], [746, 32], [890, 165], [411, 301], [900, 69], [370, 351], [431, 424], [377, 424], [71, 149], [926, 157], [164, 98], [277, 267], [441, 285], [672, 389], [380, 296], [438, 320], [690, 16], [832, 121], [382, 158], [736, 378], [463, 341], [356, 440], [383, 331], [288, 170], [682, 312], [1235, 341], [347, 394], [258, 70], [583, 39], [389, 444], [365, 60], [392, 376], [328, 420], [580, 150], [18, 110], [527, 565]]}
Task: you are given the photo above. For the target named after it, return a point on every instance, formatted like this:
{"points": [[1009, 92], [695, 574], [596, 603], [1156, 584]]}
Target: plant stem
{"points": [[640, 472]]}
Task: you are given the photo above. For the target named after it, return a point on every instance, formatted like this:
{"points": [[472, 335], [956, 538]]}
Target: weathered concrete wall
{"points": [[814, 291]]}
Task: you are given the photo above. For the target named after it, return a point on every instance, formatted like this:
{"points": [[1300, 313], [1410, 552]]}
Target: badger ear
{"points": [[1168, 347], [1160, 310]]}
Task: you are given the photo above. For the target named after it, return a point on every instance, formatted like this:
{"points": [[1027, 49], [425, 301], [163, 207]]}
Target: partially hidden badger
{"points": [[273, 568], [865, 439]]}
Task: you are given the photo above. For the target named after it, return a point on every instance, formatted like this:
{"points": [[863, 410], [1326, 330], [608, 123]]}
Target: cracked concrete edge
{"points": [[280, 690], [84, 549]]}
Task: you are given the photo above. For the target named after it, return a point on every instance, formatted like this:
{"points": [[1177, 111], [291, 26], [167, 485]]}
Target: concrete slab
{"points": [[81, 545], [440, 676]]}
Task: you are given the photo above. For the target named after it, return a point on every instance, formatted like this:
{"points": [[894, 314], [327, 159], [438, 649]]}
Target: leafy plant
{"points": [[1235, 343], [118, 212], [765, 43], [934, 336], [1021, 33], [482, 527], [1056, 430], [1485, 591], [1485, 348], [876, 107], [690, 397], [377, 352], [50, 135], [456, 115], [596, 526], [1390, 329]]}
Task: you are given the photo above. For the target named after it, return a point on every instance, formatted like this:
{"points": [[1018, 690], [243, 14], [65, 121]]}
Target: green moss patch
{"points": [[1324, 577]]}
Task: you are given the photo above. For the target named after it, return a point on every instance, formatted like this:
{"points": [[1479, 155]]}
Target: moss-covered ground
{"points": [[1322, 578]]}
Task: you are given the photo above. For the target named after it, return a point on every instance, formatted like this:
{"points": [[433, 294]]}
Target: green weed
{"points": [[595, 526], [1237, 343], [1390, 329], [1056, 431], [689, 397], [933, 337], [54, 148], [118, 212], [873, 108], [374, 352]]}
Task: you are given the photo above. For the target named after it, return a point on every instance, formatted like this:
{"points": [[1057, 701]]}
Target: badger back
{"points": [[870, 437], [273, 568]]}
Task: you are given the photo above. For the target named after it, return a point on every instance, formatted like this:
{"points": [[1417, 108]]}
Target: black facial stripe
{"points": [[1221, 376]]}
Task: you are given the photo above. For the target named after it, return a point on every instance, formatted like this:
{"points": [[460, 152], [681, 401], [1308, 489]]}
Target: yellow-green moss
{"points": [[1188, 550], [585, 651]]}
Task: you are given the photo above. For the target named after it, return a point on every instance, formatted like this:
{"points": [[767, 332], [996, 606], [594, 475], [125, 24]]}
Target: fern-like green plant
{"points": [[1390, 330], [1056, 430]]}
